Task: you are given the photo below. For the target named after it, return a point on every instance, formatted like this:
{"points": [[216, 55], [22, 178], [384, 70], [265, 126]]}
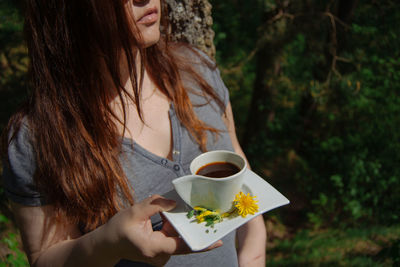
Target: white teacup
{"points": [[209, 192]]}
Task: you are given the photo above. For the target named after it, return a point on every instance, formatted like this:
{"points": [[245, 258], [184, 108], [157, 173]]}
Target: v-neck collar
{"points": [[176, 142]]}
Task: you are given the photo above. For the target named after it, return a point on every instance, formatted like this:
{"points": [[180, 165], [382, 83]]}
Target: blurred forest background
{"points": [[315, 89]]}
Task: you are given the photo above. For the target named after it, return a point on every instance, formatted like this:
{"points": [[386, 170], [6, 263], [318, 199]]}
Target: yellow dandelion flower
{"points": [[245, 204]]}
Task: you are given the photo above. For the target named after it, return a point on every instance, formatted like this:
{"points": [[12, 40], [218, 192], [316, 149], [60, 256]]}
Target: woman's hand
{"points": [[131, 235], [128, 235]]}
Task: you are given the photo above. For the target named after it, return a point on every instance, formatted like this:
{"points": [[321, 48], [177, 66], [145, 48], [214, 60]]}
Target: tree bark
{"points": [[191, 22]]}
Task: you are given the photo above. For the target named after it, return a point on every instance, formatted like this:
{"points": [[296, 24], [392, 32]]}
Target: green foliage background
{"points": [[315, 90], [324, 123]]}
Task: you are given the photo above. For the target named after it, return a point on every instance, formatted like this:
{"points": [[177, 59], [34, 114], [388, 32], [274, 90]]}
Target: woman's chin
{"points": [[150, 37], [148, 43]]}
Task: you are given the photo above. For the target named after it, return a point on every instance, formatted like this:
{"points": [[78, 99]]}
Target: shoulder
{"points": [[196, 60], [20, 135], [194, 57]]}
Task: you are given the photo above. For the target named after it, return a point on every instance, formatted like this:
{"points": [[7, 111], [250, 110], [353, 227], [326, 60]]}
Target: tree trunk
{"points": [[346, 9], [190, 22], [261, 95], [267, 63]]}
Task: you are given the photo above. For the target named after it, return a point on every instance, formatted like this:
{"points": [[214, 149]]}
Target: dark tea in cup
{"points": [[218, 169], [217, 176]]}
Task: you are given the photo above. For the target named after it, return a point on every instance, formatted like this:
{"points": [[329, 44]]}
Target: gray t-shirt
{"points": [[148, 173]]}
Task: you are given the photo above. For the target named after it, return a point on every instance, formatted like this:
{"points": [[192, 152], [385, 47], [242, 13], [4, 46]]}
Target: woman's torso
{"points": [[150, 169], [148, 173]]}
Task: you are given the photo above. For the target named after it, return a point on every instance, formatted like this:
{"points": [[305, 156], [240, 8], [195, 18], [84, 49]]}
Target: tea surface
{"points": [[218, 169]]}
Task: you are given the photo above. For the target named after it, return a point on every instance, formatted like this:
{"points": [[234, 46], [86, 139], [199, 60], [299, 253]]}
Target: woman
{"points": [[116, 113]]}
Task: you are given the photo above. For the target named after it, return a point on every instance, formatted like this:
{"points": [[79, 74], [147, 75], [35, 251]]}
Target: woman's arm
{"points": [[128, 235], [252, 236], [50, 243]]}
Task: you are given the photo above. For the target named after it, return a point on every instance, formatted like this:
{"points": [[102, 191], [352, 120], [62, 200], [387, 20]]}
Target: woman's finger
{"points": [[217, 244], [168, 229], [174, 245], [153, 205], [171, 245]]}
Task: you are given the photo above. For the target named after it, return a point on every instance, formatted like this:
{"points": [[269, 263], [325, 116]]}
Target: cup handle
{"points": [[183, 186]]}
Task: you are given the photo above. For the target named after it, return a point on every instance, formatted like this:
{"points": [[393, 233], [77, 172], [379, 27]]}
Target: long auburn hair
{"points": [[75, 47]]}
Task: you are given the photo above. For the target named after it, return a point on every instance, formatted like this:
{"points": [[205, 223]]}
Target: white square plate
{"points": [[196, 235]]}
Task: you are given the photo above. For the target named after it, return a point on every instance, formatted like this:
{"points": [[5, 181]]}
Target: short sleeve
{"points": [[19, 169]]}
